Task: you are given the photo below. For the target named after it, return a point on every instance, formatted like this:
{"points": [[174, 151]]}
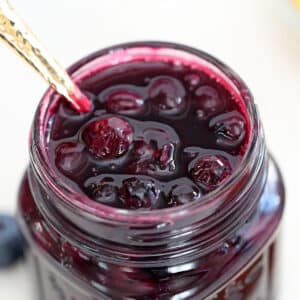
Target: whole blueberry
{"points": [[11, 241]]}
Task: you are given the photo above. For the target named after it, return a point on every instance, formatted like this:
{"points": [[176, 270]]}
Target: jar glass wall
{"points": [[220, 248]]}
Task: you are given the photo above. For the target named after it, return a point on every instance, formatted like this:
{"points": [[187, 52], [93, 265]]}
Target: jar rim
{"points": [[81, 203]]}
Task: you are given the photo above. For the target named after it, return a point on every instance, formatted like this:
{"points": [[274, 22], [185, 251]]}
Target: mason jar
{"points": [[222, 247]]}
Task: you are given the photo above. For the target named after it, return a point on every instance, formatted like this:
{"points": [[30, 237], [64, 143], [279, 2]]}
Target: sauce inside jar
{"points": [[160, 135]]}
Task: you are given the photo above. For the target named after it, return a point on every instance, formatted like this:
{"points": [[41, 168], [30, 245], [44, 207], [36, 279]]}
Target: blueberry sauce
{"points": [[170, 127], [160, 134]]}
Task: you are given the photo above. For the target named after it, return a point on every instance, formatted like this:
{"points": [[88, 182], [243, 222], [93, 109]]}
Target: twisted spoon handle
{"points": [[15, 33]]}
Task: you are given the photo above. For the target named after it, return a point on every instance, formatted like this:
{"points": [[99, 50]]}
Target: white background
{"points": [[252, 36]]}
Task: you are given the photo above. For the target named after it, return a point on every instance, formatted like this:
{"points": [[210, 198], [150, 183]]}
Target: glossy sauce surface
{"points": [[159, 135]]}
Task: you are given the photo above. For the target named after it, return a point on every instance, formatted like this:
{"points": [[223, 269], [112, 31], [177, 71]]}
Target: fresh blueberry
{"points": [[139, 193], [144, 157], [230, 130], [11, 241], [167, 95], [70, 158], [108, 138], [123, 99], [104, 191], [208, 102], [183, 191], [210, 171]]}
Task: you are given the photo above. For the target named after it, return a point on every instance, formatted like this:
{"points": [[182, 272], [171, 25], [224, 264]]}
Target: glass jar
{"points": [[222, 247]]}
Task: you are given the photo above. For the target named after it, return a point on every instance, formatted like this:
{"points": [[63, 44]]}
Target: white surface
{"points": [[245, 34]]}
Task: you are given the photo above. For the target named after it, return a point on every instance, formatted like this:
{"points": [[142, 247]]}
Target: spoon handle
{"points": [[15, 32]]}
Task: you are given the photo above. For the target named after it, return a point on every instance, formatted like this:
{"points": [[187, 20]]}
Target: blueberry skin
{"points": [[11, 241]]}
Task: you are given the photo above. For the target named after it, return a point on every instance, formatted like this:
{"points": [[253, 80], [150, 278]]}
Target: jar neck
{"points": [[150, 238]]}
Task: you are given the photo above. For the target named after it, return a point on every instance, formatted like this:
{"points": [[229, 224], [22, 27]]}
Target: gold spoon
{"points": [[15, 33]]}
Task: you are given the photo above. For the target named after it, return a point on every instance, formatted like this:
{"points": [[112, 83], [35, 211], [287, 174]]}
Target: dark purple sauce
{"points": [[159, 135]]}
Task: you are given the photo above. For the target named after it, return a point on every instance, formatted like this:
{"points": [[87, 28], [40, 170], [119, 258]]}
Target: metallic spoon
{"points": [[15, 32]]}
